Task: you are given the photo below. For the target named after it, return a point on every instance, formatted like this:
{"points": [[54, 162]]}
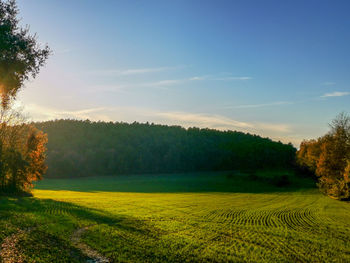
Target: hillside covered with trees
{"points": [[84, 148]]}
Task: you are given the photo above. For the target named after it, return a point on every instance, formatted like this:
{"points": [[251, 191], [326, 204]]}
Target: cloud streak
{"points": [[160, 84], [131, 72], [233, 78], [336, 94], [47, 113], [203, 120], [220, 122], [277, 103]]}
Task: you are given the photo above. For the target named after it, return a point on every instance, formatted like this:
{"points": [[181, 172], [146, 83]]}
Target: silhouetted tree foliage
{"points": [[22, 147], [20, 54], [329, 158], [83, 148]]}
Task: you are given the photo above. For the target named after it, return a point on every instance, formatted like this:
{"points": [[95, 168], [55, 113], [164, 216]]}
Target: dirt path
{"points": [[9, 252], [94, 256]]}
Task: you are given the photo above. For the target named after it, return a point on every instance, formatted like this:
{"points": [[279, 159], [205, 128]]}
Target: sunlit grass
{"points": [[153, 226]]}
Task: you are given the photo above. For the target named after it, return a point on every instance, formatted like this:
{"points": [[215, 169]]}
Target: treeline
{"points": [[84, 148], [328, 157]]}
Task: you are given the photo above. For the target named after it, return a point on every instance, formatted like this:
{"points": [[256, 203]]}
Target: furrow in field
{"points": [[251, 238], [290, 218]]}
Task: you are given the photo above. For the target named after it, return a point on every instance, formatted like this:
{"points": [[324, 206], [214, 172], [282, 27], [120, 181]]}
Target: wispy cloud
{"points": [[138, 71], [38, 112], [203, 120], [169, 82], [232, 78], [198, 78], [336, 94], [159, 84], [135, 71], [220, 122], [277, 103], [276, 127], [220, 77]]}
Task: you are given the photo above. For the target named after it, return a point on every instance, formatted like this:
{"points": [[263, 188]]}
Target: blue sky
{"points": [[274, 68]]}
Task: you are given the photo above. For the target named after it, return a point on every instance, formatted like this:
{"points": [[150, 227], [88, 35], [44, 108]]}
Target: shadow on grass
{"points": [[50, 225], [48, 210], [181, 183]]}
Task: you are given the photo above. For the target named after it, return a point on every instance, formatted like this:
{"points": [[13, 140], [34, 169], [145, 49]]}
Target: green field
{"points": [[216, 217]]}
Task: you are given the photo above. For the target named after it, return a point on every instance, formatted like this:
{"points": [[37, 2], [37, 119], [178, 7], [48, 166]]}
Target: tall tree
{"points": [[20, 54], [22, 147]]}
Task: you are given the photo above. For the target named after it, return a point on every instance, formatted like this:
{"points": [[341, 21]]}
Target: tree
{"points": [[308, 155], [20, 54], [22, 147], [22, 152], [329, 158]]}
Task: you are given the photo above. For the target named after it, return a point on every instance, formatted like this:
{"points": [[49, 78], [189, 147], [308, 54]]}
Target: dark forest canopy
{"points": [[84, 148]]}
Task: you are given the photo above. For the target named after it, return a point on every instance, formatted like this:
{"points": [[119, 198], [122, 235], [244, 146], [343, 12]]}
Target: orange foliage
{"points": [[329, 158], [36, 148], [22, 157], [308, 154]]}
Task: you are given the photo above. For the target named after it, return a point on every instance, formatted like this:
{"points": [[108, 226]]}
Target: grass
{"points": [[261, 181], [206, 217]]}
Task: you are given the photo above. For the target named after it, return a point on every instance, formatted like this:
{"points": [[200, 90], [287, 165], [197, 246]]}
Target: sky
{"points": [[279, 69]]}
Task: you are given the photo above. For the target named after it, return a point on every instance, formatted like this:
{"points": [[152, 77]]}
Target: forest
{"points": [[85, 148]]}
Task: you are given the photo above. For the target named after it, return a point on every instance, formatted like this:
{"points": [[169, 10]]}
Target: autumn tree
{"points": [[308, 154], [22, 147], [329, 158], [22, 152]]}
